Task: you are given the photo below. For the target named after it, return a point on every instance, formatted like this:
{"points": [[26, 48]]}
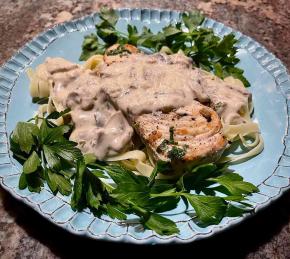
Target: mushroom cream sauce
{"points": [[103, 103]]}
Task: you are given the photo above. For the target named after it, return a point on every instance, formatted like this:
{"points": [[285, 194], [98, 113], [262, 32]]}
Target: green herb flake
{"points": [[171, 135], [176, 153], [163, 146], [119, 50]]}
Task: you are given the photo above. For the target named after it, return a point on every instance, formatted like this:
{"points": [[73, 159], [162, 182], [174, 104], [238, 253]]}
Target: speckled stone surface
{"points": [[25, 234]]}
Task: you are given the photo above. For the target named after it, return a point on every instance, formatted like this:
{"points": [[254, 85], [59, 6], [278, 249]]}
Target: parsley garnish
{"points": [[48, 156], [207, 50], [176, 153], [163, 146], [119, 50], [171, 135]]}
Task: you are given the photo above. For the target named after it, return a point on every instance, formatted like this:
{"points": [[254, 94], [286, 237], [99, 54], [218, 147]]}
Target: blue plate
{"points": [[270, 86]]}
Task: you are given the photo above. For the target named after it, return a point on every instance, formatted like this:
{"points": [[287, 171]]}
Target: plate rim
{"points": [[39, 44]]}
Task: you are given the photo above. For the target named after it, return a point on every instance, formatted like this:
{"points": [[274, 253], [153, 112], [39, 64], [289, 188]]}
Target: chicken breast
{"points": [[188, 134]]}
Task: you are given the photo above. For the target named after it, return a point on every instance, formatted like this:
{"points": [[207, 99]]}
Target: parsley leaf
{"points": [[109, 15], [66, 150], [58, 182], [114, 212], [22, 182], [31, 164], [133, 35], [121, 175], [89, 191], [55, 115], [209, 209], [130, 187], [54, 134], [234, 184], [91, 46], [52, 159], [94, 200], [192, 19], [24, 134], [160, 224], [31, 181], [79, 184], [236, 211], [197, 178]]}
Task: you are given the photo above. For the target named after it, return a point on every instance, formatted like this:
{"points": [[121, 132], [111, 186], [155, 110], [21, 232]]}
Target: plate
{"points": [[270, 85]]}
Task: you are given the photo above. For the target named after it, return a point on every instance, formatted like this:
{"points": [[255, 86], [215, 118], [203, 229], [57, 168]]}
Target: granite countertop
{"points": [[25, 234]]}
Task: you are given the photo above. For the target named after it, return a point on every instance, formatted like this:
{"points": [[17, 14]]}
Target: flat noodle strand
{"points": [[133, 160]]}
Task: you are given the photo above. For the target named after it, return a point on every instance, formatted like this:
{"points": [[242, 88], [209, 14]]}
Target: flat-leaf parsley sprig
{"points": [[207, 50], [47, 155]]}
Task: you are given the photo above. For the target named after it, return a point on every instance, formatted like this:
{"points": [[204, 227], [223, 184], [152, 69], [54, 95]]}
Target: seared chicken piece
{"points": [[117, 53], [189, 134]]}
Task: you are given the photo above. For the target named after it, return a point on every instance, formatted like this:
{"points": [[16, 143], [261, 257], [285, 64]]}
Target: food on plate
{"points": [[156, 124], [109, 101]]}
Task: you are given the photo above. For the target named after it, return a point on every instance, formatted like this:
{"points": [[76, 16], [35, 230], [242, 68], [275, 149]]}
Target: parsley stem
{"points": [[122, 33], [105, 168], [98, 165], [153, 176], [171, 137], [43, 160]]}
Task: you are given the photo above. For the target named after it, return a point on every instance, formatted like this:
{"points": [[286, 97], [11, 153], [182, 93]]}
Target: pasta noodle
{"points": [[243, 131], [134, 160], [39, 83], [47, 109], [94, 62]]}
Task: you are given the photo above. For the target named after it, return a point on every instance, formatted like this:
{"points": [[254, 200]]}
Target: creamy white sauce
{"points": [[230, 100], [148, 83], [133, 86], [100, 129]]}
